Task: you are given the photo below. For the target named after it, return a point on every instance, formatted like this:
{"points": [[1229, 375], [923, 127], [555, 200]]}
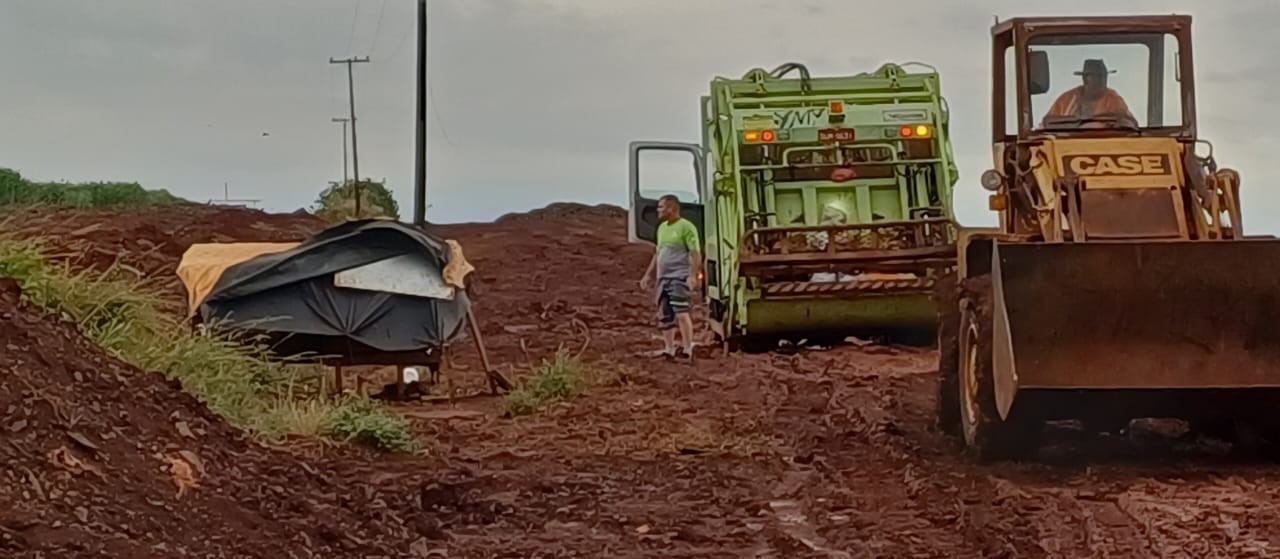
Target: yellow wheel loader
{"points": [[1119, 283]]}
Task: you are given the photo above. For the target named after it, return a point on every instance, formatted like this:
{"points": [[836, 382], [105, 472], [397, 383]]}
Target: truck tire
{"points": [[947, 299]]}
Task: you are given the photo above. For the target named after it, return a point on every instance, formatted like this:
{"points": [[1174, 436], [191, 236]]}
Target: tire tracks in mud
{"points": [[914, 494], [844, 461], [821, 453]]}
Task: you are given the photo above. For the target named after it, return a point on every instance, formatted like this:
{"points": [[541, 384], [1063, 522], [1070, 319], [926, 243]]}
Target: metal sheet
{"points": [[408, 274], [1003, 367], [1143, 314], [1132, 213]]}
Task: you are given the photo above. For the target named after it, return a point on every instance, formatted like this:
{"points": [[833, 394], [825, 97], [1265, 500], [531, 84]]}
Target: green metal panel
{"points": [[889, 311], [887, 203]]}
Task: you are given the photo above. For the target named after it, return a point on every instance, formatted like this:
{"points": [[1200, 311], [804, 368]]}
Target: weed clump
{"points": [[360, 420], [551, 381]]}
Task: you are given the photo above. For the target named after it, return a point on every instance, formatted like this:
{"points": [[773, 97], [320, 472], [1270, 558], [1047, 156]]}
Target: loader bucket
{"points": [[1140, 315]]}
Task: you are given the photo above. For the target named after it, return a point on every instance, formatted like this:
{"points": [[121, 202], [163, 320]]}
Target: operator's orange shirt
{"points": [[1108, 102]]}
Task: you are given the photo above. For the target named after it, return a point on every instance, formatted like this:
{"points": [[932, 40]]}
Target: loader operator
{"points": [[1092, 99], [677, 264]]}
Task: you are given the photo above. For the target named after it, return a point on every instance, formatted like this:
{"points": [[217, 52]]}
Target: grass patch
{"points": [[237, 380], [551, 381], [360, 420]]}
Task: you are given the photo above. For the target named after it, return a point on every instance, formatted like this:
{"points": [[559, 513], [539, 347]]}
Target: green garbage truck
{"points": [[824, 203]]}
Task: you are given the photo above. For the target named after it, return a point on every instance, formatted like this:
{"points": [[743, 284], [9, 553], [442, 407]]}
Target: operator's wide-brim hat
{"points": [[1094, 66]]}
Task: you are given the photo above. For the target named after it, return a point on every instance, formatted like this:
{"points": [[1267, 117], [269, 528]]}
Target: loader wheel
{"points": [[987, 436], [948, 401]]}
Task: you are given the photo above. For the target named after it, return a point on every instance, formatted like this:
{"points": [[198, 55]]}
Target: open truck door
{"points": [[662, 176]]}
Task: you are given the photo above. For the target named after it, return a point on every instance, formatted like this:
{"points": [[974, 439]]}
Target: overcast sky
{"points": [[533, 101]]}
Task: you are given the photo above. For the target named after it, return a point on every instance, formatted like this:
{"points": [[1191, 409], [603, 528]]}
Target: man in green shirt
{"points": [[677, 264]]}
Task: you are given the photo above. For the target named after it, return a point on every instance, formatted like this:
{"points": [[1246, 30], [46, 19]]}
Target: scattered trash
{"points": [[193, 459], [183, 475], [409, 375], [82, 440], [62, 457]]}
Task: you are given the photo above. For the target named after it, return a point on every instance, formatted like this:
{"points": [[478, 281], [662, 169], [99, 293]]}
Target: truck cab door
{"points": [[663, 171]]}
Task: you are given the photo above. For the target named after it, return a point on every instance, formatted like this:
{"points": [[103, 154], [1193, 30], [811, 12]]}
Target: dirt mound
{"points": [[150, 241], [564, 274], [103, 460], [564, 212]]}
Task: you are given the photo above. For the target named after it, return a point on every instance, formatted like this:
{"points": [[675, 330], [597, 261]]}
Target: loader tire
{"points": [[947, 298], [987, 437]]}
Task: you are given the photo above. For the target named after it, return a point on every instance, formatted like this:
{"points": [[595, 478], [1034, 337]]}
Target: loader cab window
{"points": [[1090, 81], [665, 172]]}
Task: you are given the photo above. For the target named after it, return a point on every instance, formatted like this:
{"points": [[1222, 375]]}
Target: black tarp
{"points": [[292, 293]]}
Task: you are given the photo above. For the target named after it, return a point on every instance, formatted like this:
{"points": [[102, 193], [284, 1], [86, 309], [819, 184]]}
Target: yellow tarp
{"points": [[455, 272], [202, 265]]}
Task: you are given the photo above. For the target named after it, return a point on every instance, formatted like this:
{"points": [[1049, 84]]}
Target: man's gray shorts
{"points": [[673, 299]]}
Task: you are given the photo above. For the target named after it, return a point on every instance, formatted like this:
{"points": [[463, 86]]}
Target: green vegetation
{"points": [[360, 420], [14, 189], [338, 202], [551, 381], [236, 380]]}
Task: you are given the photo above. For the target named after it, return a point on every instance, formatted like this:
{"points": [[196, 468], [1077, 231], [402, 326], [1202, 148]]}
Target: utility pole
{"points": [[344, 122], [355, 152], [420, 154]]}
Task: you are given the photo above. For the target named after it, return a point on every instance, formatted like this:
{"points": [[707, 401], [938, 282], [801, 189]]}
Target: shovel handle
{"points": [[475, 333]]}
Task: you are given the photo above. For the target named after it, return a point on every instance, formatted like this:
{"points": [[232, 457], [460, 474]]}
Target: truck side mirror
{"points": [[1038, 72]]}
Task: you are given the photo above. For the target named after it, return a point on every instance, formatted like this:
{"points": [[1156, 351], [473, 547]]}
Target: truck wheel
{"points": [[987, 436], [948, 401]]}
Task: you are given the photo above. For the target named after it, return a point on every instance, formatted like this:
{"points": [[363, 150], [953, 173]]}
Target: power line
{"points": [[344, 122], [351, 93], [408, 30], [378, 30], [430, 93], [355, 18], [334, 102], [431, 99]]}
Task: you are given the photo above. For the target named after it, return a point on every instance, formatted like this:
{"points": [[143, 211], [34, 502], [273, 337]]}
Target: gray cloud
{"points": [[534, 100]]}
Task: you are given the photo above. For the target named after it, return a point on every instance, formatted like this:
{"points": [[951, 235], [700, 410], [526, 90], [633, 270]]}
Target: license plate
{"points": [[836, 135]]}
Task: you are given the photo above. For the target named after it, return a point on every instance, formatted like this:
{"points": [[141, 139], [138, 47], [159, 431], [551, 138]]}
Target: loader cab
{"points": [[1095, 130], [1097, 76]]}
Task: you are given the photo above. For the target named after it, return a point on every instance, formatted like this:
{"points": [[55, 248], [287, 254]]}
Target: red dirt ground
{"points": [[103, 460], [817, 453]]}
